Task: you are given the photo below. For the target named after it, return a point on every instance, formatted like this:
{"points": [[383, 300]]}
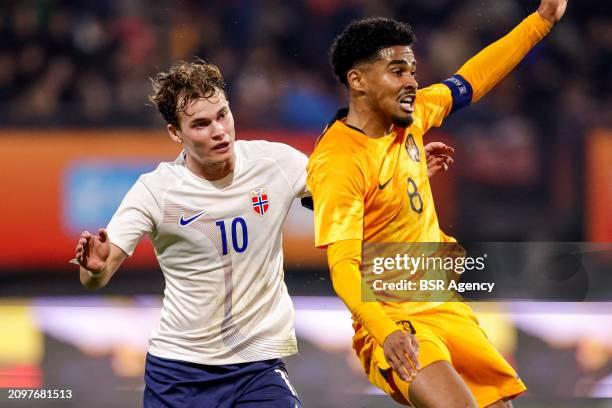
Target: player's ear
{"points": [[174, 133], [355, 79]]}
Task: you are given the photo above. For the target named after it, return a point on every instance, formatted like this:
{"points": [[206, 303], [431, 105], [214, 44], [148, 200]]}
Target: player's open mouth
{"points": [[407, 102], [222, 147]]}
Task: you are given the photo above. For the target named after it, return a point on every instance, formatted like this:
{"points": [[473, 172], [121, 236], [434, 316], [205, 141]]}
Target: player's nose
{"points": [[218, 131], [411, 82]]}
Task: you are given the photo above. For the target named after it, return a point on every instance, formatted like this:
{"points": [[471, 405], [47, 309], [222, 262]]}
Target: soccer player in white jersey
{"points": [[215, 216]]}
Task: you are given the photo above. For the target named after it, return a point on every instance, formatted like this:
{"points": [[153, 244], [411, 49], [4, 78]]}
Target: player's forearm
{"points": [[93, 280], [346, 279], [491, 65], [99, 279]]}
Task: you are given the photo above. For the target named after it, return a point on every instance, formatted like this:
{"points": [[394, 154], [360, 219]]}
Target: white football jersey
{"points": [[219, 245]]}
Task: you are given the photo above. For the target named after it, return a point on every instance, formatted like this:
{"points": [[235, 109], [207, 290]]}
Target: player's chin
{"points": [[403, 120]]}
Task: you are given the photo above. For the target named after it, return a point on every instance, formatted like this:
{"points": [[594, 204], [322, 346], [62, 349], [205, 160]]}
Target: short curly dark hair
{"points": [[182, 83], [363, 39]]}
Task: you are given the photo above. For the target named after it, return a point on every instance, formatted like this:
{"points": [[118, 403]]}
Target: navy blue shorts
{"points": [[176, 384]]}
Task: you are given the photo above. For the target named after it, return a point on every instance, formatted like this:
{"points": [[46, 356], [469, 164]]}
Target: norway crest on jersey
{"points": [[412, 149], [259, 200]]}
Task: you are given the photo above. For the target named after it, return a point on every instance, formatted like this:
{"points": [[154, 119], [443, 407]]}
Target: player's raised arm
{"points": [[491, 65], [98, 258]]}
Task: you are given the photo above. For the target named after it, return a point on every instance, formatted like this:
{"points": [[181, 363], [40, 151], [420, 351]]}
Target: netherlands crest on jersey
{"points": [[259, 200], [412, 149]]}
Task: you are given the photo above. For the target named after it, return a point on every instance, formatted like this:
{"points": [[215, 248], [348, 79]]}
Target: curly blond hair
{"points": [[182, 83]]}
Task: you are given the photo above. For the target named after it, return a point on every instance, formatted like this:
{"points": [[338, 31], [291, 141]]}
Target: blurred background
{"points": [[533, 163]]}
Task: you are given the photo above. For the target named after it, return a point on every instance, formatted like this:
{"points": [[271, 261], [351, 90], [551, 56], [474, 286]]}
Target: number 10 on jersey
{"points": [[239, 247]]}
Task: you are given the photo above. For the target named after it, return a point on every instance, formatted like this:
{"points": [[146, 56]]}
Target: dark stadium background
{"points": [[533, 164]]}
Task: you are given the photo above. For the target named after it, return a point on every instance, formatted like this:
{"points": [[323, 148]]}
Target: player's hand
{"points": [[92, 252], [402, 353], [438, 157], [552, 10]]}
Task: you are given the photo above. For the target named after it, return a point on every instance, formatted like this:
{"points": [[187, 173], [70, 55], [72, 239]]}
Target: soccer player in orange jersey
{"points": [[369, 184]]}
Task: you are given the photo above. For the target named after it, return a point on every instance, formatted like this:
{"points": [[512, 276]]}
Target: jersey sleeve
{"points": [[293, 168], [483, 71], [344, 258], [338, 189], [479, 74], [433, 104], [133, 218]]}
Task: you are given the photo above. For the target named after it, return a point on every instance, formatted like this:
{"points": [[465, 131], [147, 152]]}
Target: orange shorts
{"points": [[448, 332]]}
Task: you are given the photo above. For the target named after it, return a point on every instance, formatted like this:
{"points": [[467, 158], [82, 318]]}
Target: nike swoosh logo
{"points": [[382, 186], [189, 220]]}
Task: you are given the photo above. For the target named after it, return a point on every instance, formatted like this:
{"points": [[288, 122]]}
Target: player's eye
{"points": [[397, 72]]}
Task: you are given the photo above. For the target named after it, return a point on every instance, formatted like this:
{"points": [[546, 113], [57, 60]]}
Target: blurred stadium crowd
{"points": [[87, 64]]}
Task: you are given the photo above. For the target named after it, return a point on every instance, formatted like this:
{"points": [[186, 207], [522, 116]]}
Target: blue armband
{"points": [[461, 90]]}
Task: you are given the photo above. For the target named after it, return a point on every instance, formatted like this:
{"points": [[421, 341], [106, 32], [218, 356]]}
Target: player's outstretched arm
{"points": [[491, 65], [98, 258], [438, 157]]}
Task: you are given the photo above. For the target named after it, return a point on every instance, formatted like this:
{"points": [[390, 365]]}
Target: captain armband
{"points": [[461, 91]]}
